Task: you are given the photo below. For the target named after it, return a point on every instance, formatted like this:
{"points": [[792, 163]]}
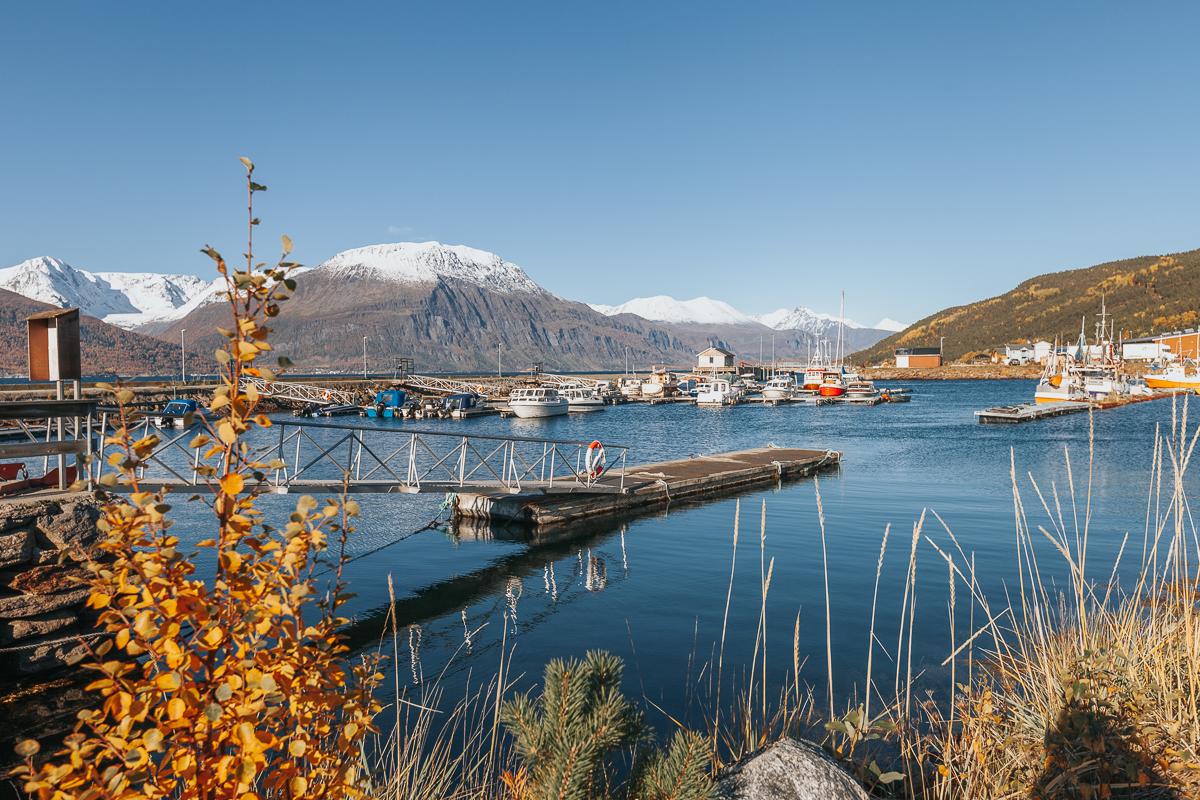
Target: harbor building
{"points": [[916, 357], [714, 359], [1163, 347]]}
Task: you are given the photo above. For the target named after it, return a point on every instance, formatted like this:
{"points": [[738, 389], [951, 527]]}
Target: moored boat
{"points": [[179, 413], [541, 401], [781, 387], [1174, 376], [832, 384], [581, 399], [717, 393]]}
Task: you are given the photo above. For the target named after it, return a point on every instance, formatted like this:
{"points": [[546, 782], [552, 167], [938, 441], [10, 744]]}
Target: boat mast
{"points": [[841, 325]]}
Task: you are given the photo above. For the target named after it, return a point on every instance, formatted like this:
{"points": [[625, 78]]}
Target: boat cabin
{"points": [[391, 398], [541, 393], [462, 401]]}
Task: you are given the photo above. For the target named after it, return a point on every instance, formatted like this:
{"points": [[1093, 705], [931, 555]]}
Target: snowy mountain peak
{"points": [[127, 299], [889, 324], [429, 262], [801, 319], [662, 308]]}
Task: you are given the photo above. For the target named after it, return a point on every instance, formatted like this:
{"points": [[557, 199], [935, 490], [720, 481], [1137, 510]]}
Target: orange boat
{"points": [[1173, 377], [832, 385]]}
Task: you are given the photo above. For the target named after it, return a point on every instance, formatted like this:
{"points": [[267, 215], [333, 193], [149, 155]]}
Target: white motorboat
{"points": [[859, 391], [581, 399], [542, 401], [781, 387], [717, 393]]}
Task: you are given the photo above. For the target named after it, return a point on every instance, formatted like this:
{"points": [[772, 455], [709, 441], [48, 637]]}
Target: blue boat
{"points": [[178, 413], [388, 403], [462, 402]]}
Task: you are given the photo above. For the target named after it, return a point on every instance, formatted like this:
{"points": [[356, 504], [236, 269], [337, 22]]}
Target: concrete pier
{"points": [[651, 487]]}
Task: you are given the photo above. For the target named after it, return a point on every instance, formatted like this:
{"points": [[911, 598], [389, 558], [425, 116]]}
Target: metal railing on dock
{"points": [[329, 457]]}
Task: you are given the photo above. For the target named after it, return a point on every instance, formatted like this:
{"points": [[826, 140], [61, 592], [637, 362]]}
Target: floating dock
{"points": [[651, 487], [1028, 412]]}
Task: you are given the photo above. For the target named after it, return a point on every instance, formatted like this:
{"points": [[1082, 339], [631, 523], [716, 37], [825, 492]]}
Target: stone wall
{"points": [[44, 544]]}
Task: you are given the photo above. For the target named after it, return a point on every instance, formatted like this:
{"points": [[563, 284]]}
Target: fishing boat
{"points": [[661, 383], [832, 384], [581, 399], [542, 401], [717, 393], [179, 413], [1174, 376], [781, 387], [813, 376], [1060, 382]]}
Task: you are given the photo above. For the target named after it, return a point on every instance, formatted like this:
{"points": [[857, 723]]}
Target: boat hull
{"points": [[827, 390], [539, 410], [1173, 383]]}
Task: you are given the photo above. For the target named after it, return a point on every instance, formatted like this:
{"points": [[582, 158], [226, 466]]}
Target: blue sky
{"points": [[768, 154]]}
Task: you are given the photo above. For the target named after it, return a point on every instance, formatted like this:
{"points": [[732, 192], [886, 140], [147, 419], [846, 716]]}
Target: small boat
{"points": [[859, 391], [780, 387], [661, 383], [542, 401], [832, 384], [812, 378], [337, 410], [1174, 376], [717, 393], [630, 387], [388, 403], [464, 404], [179, 413], [581, 399]]}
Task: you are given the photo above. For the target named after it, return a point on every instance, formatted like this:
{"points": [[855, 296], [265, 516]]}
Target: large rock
{"points": [[12, 630], [46, 579], [16, 547], [790, 769], [73, 527], [22, 606]]}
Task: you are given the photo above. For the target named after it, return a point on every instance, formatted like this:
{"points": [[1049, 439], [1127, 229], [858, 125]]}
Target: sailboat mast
{"points": [[841, 325]]}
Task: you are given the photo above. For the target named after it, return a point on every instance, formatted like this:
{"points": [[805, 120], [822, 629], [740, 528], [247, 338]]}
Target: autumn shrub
{"points": [[235, 685]]}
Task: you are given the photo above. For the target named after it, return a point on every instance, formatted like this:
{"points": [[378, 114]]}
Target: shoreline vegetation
{"points": [[241, 686]]}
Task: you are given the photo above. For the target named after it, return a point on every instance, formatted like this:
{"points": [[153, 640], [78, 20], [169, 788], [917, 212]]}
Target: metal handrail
{"points": [[423, 460]]}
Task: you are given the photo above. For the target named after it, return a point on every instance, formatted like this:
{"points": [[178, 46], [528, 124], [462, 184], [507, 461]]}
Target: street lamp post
{"points": [[182, 357], [364, 358]]}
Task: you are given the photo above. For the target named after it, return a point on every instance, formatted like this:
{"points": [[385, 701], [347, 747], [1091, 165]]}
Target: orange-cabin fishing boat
{"points": [[832, 385]]}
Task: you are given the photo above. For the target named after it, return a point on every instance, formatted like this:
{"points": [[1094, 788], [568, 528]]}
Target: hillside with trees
{"points": [[1144, 295], [105, 349]]}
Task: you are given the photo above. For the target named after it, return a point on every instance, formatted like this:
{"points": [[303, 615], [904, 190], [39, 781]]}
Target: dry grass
{"points": [[1090, 691]]}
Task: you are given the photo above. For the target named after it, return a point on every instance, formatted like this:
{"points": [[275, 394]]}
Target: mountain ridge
{"points": [[1144, 295]]}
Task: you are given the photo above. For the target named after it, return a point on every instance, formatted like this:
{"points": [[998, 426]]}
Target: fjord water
{"points": [[653, 589]]}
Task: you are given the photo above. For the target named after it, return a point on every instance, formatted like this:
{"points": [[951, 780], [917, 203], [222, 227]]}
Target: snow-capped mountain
{"points": [[430, 262], [801, 319], [127, 299], [889, 324], [662, 308]]}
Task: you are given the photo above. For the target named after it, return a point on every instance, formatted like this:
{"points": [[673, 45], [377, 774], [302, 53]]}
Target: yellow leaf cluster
{"points": [[234, 687]]}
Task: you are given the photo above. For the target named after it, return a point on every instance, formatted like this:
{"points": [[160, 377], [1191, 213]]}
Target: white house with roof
{"points": [[714, 358]]}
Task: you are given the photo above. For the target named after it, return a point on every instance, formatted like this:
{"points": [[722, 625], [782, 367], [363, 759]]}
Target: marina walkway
{"points": [[650, 487]]}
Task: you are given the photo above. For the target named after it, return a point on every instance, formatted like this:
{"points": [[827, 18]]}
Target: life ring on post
{"points": [[595, 461]]}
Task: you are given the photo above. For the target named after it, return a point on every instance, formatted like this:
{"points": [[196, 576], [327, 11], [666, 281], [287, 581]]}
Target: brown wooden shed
{"points": [[54, 345]]}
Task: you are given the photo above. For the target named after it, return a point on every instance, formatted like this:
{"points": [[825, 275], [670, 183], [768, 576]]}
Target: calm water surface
{"points": [[657, 586]]}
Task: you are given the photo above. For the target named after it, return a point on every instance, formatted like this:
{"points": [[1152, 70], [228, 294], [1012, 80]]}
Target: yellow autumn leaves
{"points": [[234, 686]]}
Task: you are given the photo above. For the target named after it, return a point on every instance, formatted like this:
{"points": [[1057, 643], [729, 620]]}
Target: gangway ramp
{"points": [[331, 458], [298, 392]]}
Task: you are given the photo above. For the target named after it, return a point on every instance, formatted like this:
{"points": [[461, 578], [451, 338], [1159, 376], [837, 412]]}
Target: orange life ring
{"points": [[595, 461]]}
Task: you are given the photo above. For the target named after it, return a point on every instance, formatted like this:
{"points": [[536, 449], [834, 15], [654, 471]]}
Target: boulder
{"points": [[66, 651], [12, 630], [73, 528], [790, 769], [22, 606], [16, 547], [46, 579]]}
